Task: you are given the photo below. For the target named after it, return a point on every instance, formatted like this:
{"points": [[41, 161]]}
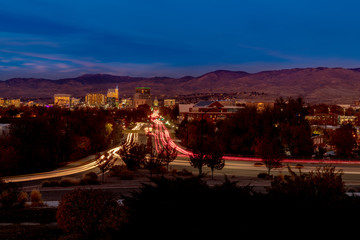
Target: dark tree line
{"points": [[282, 127], [170, 113], [49, 137]]}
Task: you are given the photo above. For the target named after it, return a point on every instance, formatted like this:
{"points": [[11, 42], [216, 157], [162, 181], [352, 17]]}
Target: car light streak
{"points": [[131, 137], [163, 134]]}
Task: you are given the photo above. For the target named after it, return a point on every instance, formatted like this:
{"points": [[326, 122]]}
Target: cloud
{"points": [[52, 57]]}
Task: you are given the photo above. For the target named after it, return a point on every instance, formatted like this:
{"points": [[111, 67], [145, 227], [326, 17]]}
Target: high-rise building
{"points": [[142, 96], [113, 96], [113, 93], [62, 100], [95, 99]]}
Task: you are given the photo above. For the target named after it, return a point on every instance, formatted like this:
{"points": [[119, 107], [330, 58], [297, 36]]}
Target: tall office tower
{"points": [[113, 96], [95, 99]]}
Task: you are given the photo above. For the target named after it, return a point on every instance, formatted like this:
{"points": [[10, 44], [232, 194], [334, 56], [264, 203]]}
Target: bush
{"points": [[89, 178], [263, 175], [122, 172], [50, 183], [322, 185], [183, 172], [69, 181], [22, 199], [88, 212], [9, 193], [160, 170], [36, 198]]}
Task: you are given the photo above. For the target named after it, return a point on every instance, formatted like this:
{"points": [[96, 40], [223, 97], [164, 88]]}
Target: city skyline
{"points": [[138, 38]]}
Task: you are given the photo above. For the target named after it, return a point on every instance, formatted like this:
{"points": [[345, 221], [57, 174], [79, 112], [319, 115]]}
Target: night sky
{"points": [[56, 39]]}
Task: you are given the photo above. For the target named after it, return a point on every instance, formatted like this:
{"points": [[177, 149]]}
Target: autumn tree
{"points": [[89, 213], [167, 154], [215, 160], [270, 151], [196, 134], [198, 160], [133, 155], [344, 140], [105, 162]]}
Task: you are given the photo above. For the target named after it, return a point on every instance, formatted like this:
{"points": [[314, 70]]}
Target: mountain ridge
{"points": [[327, 85]]}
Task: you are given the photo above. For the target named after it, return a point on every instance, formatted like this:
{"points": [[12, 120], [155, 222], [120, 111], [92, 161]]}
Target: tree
{"points": [[168, 154], [344, 140], [215, 160], [105, 162], [133, 155], [297, 139], [270, 151], [153, 162], [198, 160], [89, 212], [322, 185]]}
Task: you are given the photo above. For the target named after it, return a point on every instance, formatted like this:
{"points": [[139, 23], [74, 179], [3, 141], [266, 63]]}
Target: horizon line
{"points": [[159, 76]]}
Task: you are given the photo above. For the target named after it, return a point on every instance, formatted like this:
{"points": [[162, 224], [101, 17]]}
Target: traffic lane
{"points": [[350, 173]]}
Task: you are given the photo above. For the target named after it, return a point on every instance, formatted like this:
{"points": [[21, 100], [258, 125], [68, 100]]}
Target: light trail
{"points": [[163, 134], [131, 137]]}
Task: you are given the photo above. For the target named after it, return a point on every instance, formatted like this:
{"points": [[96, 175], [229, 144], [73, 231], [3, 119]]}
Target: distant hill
{"points": [[328, 85]]}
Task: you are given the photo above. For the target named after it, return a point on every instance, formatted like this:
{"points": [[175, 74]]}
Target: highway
{"points": [[234, 166], [80, 166], [245, 166]]}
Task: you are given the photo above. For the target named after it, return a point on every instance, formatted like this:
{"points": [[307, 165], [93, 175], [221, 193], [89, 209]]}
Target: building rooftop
{"points": [[203, 103], [61, 95]]}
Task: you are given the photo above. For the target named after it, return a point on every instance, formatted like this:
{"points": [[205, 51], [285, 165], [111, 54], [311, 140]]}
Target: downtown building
{"points": [[113, 97], [95, 99], [62, 100], [142, 96], [170, 103], [10, 102]]}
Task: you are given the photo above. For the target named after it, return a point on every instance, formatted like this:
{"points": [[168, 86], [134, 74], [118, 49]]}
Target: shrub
{"points": [[263, 175], [9, 193], [322, 185], [92, 175], [69, 181], [89, 178], [88, 212], [50, 183], [22, 199], [36, 198], [184, 172], [122, 172], [160, 170]]}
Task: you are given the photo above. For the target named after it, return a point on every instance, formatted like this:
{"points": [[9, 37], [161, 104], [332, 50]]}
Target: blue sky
{"points": [[57, 39]]}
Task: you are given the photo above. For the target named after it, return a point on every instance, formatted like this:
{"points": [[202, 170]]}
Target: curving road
{"points": [[76, 167], [244, 166]]}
